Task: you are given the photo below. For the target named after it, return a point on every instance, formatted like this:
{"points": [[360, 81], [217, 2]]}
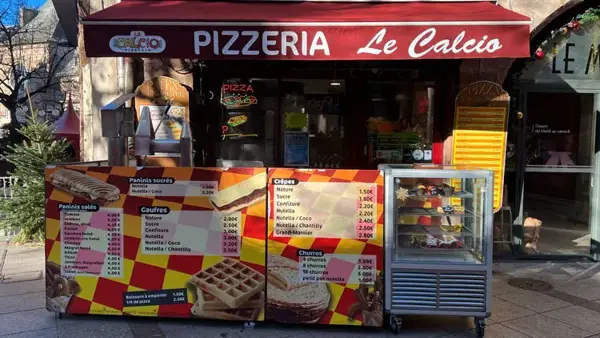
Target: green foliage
{"points": [[25, 211]]}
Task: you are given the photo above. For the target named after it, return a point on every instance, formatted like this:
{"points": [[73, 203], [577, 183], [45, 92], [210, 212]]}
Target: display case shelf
{"points": [[415, 211], [435, 230], [459, 194]]}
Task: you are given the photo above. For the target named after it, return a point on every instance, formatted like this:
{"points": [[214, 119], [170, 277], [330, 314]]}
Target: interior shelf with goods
{"points": [[439, 226]]}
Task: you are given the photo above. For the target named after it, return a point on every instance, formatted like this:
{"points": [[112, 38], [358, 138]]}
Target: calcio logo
{"points": [[137, 42]]}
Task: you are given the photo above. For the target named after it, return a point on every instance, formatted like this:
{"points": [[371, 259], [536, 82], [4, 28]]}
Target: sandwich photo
{"points": [[85, 187], [241, 195]]}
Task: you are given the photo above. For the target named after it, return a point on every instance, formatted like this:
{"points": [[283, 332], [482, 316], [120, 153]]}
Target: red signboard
{"points": [[307, 31]]}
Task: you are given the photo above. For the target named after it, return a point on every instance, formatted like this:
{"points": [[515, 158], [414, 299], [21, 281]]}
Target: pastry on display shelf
{"points": [[442, 242]]}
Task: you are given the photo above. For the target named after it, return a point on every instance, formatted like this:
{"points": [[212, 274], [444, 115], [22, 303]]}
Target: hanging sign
{"points": [[480, 127]]}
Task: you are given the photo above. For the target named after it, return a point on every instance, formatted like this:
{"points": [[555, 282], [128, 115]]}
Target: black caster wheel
{"points": [[480, 327], [61, 316], [395, 324]]}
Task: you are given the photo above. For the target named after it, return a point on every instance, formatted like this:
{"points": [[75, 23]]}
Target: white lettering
{"points": [[304, 43], [390, 47], [445, 46], [266, 42], [319, 42], [253, 37], [227, 48], [291, 44], [421, 41], [375, 40], [468, 47], [216, 42], [200, 43]]}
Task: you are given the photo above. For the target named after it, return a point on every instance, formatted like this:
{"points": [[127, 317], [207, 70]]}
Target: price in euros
{"points": [[366, 198], [365, 191], [365, 236], [366, 206], [365, 228], [230, 250], [230, 219], [365, 213], [365, 261]]}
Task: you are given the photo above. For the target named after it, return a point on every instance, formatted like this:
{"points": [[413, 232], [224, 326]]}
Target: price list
{"points": [[366, 270], [231, 234], [114, 263], [338, 268], [92, 243], [366, 220]]}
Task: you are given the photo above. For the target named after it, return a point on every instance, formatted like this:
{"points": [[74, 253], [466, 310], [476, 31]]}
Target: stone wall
{"points": [[496, 70]]}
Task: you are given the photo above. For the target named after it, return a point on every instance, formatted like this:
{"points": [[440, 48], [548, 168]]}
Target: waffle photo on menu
{"points": [[228, 290]]}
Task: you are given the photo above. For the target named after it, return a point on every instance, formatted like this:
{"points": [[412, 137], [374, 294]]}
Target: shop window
{"points": [[401, 123], [312, 122]]}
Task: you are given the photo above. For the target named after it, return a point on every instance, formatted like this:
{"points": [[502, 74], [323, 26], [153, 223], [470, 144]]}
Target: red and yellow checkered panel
{"points": [[147, 272], [337, 199]]}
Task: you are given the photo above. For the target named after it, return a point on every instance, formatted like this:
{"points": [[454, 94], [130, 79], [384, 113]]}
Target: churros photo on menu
{"points": [[241, 195], [86, 187]]}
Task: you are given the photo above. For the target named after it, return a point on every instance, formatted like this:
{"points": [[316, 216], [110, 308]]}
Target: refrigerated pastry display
{"points": [[439, 235]]}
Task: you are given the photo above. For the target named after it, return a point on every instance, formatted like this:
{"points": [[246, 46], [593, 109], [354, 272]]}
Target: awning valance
{"points": [[306, 30]]}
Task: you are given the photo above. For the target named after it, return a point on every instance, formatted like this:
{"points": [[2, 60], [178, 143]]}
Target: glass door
{"points": [[559, 156]]}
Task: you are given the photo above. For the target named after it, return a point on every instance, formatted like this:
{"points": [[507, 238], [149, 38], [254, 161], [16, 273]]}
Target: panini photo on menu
{"points": [[86, 187]]}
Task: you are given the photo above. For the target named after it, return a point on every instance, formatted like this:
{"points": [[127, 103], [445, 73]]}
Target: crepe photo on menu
{"points": [[241, 195], [228, 290], [86, 187]]}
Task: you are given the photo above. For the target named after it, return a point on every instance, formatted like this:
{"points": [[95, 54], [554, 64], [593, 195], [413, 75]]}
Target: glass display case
{"points": [[439, 233]]}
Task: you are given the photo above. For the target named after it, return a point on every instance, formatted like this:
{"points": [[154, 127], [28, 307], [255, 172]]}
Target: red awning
{"points": [[307, 30]]}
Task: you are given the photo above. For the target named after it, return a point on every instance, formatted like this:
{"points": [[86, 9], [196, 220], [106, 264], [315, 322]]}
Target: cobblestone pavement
{"points": [[530, 299]]}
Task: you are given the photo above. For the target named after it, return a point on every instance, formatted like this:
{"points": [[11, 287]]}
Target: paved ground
{"points": [[570, 308]]}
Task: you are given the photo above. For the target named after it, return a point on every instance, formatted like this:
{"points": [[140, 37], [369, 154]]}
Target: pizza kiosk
{"points": [[256, 193]]}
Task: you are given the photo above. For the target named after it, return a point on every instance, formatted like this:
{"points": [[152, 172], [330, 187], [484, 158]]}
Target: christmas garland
{"points": [[591, 15]]}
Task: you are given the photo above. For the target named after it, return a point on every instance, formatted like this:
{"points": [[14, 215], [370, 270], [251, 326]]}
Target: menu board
{"points": [[165, 242], [325, 247], [480, 142]]}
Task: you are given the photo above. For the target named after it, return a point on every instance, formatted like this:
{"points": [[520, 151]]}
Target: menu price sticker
{"points": [[190, 232], [338, 268], [325, 210], [366, 217], [92, 243], [231, 234], [170, 187], [155, 297]]}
